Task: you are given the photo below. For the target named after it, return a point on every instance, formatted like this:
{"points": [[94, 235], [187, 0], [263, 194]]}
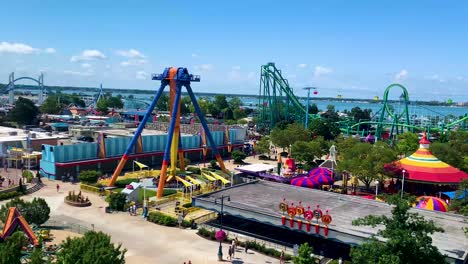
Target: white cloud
{"points": [[133, 62], [402, 75], [77, 73], [18, 48], [86, 65], [236, 68], [194, 55], [131, 53], [88, 55], [204, 67], [50, 50], [142, 75], [436, 77], [302, 65], [321, 70]]}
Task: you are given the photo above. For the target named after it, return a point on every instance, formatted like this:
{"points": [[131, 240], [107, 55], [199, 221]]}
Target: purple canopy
{"points": [[319, 171], [304, 182], [321, 176]]}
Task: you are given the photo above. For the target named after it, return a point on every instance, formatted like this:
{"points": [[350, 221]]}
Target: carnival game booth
{"points": [[423, 173]]}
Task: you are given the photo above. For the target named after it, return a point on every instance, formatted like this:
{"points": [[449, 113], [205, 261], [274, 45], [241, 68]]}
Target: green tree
{"points": [[235, 103], [407, 143], [114, 102], [24, 112], [185, 104], [286, 137], [10, 250], [37, 256], [304, 255], [366, 161], [117, 201], [460, 202], [313, 109], [35, 212], [407, 236], [239, 113], [163, 103], [93, 247], [89, 176], [307, 152], [101, 106], [360, 115], [238, 156], [453, 152], [324, 128], [263, 146], [220, 103], [51, 105]]}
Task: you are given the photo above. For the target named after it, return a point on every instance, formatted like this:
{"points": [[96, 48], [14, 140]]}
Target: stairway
{"points": [[35, 188]]}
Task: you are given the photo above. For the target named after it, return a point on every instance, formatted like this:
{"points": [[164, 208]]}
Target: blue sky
{"points": [[353, 48]]}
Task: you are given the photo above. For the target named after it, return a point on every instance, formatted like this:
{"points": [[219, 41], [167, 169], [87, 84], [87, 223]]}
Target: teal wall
{"points": [[116, 146]]}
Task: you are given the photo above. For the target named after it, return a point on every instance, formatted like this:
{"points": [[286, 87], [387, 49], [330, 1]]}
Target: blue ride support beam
{"points": [[181, 154], [140, 128], [170, 136], [214, 147]]}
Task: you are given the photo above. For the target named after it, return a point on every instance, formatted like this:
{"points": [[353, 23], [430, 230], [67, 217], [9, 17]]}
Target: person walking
{"points": [[58, 187], [282, 257], [246, 246], [230, 252], [233, 248]]}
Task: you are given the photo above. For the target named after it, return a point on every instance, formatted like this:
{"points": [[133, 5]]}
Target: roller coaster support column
{"points": [[214, 147], [11, 93], [140, 128], [170, 137], [307, 106]]}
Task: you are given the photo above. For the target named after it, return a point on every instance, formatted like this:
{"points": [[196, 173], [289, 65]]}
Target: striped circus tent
{"points": [[422, 166]]}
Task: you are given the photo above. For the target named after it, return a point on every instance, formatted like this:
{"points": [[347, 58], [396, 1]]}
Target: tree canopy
{"points": [[10, 249], [453, 152], [304, 255], [407, 143], [24, 112], [89, 176], [366, 161], [308, 151], [263, 145], [93, 247], [324, 128], [407, 237], [285, 137], [35, 212]]}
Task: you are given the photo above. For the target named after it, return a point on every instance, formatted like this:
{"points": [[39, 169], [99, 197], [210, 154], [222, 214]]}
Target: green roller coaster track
{"points": [[277, 101]]}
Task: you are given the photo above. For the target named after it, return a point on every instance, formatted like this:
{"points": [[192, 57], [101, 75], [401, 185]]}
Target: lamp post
{"points": [[307, 105], [221, 232], [403, 184], [376, 188]]}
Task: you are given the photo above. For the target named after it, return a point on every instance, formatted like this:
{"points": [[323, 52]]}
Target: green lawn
{"points": [[149, 193]]}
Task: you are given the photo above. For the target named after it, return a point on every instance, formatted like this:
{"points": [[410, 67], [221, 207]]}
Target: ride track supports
{"points": [[170, 142], [140, 128]]}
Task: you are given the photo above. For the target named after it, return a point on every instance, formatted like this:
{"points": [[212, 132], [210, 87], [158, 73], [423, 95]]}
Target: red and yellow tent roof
{"points": [[425, 167]]}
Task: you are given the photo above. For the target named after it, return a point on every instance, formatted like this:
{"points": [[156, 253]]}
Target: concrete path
{"points": [[146, 242]]}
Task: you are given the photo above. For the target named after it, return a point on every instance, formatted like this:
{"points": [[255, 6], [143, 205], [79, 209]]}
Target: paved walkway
{"points": [[146, 242]]}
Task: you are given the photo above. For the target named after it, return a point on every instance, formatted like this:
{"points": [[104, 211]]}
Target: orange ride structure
{"points": [[14, 220], [176, 78]]}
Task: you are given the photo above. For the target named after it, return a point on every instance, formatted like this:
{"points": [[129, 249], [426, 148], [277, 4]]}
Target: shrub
{"points": [[28, 175], [263, 157], [123, 183], [89, 176], [238, 156], [9, 195], [166, 220], [187, 161], [194, 170], [213, 164], [117, 201], [187, 205]]}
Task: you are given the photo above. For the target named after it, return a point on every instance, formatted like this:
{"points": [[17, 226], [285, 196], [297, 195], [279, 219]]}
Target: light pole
{"points": [[376, 188], [403, 183], [307, 105], [220, 250]]}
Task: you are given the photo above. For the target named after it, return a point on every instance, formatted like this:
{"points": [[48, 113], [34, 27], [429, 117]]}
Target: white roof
{"points": [[258, 167], [135, 185]]}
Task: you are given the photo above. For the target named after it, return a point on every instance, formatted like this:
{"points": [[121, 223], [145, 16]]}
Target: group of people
{"points": [[132, 210], [232, 249]]}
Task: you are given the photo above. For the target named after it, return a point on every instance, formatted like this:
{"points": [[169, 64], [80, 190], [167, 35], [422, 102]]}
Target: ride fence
{"points": [[63, 225]]}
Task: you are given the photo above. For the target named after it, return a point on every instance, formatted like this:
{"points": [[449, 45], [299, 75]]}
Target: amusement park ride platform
{"points": [[259, 201]]}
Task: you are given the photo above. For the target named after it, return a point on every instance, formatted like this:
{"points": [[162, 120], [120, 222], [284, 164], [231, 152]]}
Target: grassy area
{"points": [[149, 193]]}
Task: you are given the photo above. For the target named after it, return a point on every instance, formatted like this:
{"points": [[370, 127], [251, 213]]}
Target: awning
{"points": [[139, 164], [208, 177], [184, 182], [224, 181], [194, 181]]}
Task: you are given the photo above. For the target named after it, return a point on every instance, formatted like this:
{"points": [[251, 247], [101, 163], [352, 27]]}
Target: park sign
{"points": [[299, 215]]}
